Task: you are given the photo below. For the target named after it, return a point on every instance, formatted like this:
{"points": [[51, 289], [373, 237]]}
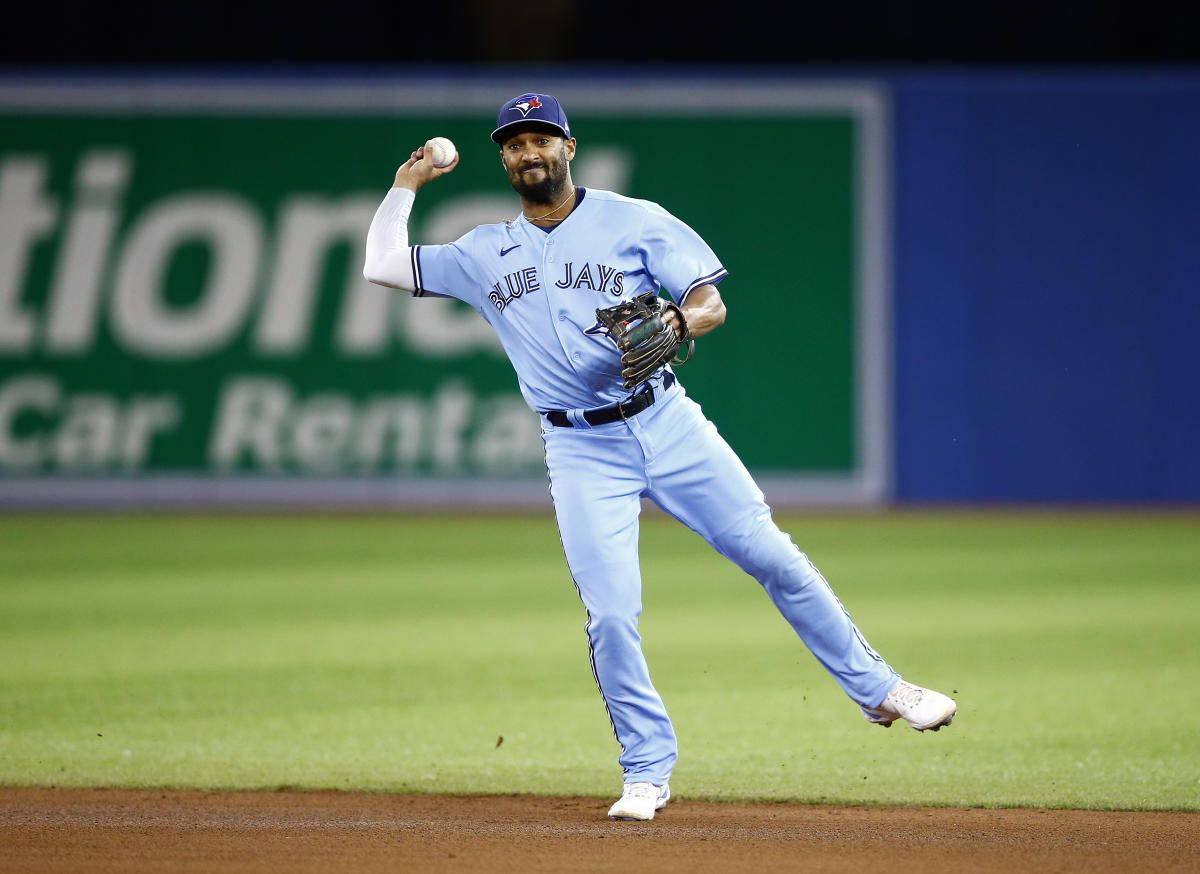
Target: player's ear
{"points": [[569, 148]]}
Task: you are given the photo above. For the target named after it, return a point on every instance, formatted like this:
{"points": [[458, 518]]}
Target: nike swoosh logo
{"points": [[504, 252]]}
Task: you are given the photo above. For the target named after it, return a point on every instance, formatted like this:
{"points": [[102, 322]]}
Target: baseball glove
{"points": [[646, 342]]}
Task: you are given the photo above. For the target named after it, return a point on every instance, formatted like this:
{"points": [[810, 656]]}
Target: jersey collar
{"points": [[580, 192]]}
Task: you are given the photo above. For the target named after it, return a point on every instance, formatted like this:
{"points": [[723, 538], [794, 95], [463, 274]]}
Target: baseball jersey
{"points": [[540, 290]]}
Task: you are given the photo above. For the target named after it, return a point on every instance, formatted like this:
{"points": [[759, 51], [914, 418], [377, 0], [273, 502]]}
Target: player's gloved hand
{"points": [[646, 340]]}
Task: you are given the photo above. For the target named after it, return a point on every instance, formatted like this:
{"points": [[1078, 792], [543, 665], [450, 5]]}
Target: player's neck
{"points": [[544, 214]]}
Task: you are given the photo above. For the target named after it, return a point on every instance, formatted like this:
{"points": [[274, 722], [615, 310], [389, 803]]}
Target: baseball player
{"points": [[571, 286]]}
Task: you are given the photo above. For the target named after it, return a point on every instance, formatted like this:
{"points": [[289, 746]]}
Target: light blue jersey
{"points": [[540, 290]]}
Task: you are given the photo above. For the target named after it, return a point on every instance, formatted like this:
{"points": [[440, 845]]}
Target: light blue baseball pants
{"points": [[672, 454]]}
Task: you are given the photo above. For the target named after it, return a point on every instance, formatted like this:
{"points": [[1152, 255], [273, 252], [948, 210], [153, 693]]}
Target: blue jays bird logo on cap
{"points": [[530, 108], [525, 104]]}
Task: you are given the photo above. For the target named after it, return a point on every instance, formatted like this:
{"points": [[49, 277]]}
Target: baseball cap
{"points": [[529, 107]]}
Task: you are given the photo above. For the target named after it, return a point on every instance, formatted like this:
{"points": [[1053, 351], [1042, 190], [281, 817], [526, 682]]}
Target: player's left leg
{"points": [[697, 478]]}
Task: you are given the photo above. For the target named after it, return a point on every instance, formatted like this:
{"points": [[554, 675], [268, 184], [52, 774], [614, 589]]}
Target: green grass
{"points": [[390, 653]]}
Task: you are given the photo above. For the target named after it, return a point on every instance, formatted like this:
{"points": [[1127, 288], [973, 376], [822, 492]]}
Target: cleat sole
{"points": [[938, 726]]}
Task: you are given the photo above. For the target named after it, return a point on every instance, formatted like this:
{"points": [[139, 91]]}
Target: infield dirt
{"points": [[134, 831]]}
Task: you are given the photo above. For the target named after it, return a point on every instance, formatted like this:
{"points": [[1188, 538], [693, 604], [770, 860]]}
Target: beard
{"points": [[549, 190]]}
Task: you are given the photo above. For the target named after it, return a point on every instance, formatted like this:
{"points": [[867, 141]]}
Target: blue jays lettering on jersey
{"points": [[540, 290]]}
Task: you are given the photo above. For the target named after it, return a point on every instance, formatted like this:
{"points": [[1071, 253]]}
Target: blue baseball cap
{"points": [[543, 108]]}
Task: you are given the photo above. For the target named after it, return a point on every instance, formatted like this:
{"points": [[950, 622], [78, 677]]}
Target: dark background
{"points": [[75, 32]]}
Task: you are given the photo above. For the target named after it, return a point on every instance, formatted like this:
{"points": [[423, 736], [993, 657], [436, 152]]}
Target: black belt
{"points": [[613, 412]]}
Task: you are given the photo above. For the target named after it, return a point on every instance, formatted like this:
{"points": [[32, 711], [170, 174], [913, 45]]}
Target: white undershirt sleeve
{"points": [[389, 257]]}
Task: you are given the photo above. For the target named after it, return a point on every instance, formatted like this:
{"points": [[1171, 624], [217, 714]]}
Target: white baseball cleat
{"points": [[640, 801], [923, 709]]}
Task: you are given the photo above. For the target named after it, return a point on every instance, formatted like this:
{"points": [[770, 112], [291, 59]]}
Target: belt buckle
{"points": [[621, 410]]}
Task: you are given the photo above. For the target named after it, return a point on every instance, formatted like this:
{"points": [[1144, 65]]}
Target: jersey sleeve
{"points": [[676, 256], [447, 271]]}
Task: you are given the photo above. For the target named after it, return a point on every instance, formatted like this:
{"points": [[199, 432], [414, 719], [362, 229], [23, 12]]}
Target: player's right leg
{"points": [[596, 481]]}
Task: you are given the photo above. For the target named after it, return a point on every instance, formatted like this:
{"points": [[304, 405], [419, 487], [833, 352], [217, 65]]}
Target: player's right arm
{"points": [[390, 260], [416, 172]]}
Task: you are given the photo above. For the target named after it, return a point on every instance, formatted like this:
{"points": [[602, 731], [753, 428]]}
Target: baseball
{"points": [[442, 151]]}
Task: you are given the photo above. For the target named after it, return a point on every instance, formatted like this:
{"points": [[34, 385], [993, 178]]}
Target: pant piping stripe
{"points": [[857, 633], [587, 628]]}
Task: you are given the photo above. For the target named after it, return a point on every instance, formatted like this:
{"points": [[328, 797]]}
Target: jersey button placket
{"points": [[563, 330]]}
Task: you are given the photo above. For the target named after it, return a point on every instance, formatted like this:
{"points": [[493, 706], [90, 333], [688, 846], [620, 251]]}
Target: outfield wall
{"points": [[967, 287], [184, 317], [1047, 287]]}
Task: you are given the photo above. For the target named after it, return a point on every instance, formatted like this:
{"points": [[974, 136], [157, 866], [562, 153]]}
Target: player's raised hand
{"points": [[419, 169]]}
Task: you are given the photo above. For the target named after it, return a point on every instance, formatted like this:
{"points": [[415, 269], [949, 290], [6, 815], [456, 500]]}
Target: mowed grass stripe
{"points": [[392, 652]]}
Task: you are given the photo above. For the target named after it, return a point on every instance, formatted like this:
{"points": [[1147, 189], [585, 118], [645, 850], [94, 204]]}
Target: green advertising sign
{"points": [[183, 316]]}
